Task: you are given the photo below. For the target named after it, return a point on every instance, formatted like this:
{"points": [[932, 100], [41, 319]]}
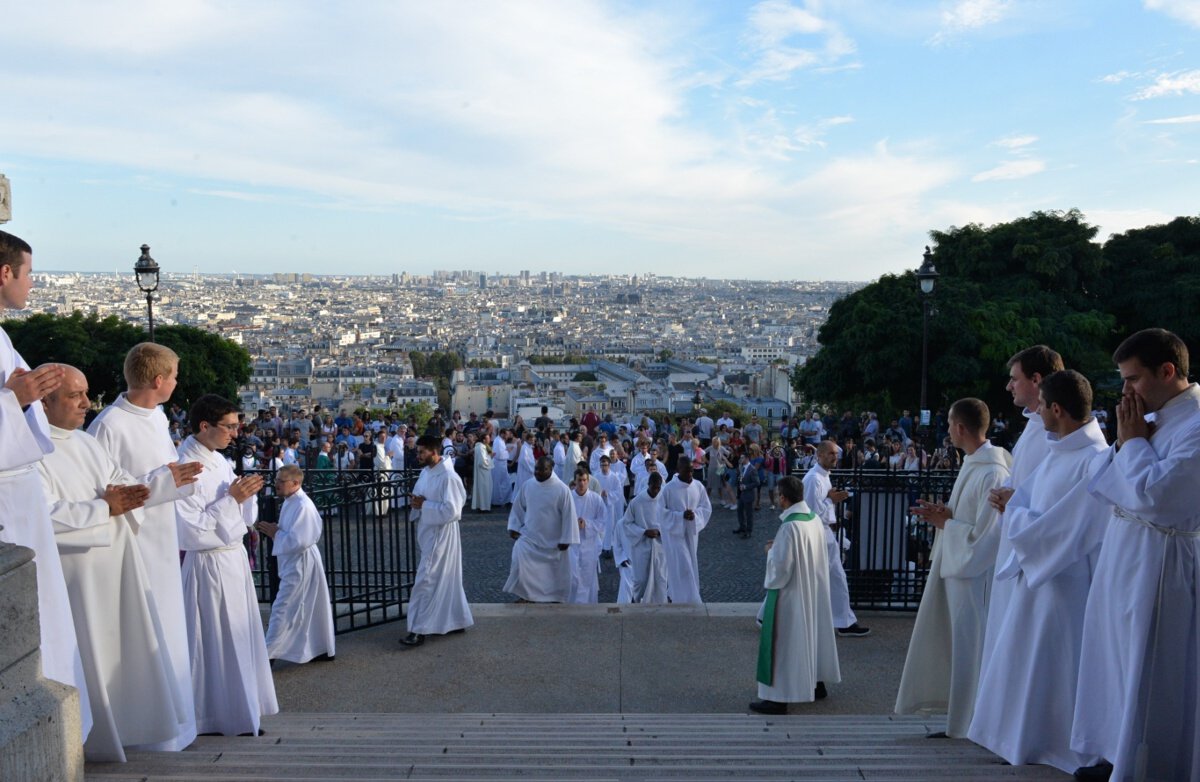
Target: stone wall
{"points": [[39, 718]]}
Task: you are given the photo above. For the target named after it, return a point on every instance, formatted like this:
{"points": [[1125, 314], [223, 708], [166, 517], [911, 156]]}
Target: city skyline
{"points": [[758, 141]]}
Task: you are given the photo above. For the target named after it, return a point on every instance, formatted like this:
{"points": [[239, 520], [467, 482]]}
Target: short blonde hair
{"points": [[146, 361], [290, 472]]}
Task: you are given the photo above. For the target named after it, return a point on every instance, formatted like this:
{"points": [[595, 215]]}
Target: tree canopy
{"points": [[208, 363], [1038, 279]]}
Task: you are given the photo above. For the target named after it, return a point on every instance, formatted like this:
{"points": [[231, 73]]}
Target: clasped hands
{"points": [[936, 513]]}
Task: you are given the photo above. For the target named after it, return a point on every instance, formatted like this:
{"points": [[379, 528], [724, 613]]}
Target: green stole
{"points": [[766, 639]]}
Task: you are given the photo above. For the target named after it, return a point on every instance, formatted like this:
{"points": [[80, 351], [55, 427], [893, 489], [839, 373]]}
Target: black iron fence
{"points": [[367, 544], [886, 549]]}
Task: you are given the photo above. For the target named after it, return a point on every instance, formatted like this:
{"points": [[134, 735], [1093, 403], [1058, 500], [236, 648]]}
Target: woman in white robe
{"points": [[301, 626]]}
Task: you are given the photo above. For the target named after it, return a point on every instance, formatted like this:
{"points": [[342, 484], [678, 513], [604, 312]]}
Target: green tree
{"points": [[1034, 280], [717, 407], [97, 346], [584, 377]]}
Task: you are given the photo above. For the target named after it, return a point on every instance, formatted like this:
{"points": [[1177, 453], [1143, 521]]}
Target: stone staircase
{"points": [[577, 747]]}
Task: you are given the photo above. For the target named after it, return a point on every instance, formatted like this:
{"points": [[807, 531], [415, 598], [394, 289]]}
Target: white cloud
{"points": [[964, 16], [1015, 143], [1013, 169], [1116, 221], [1186, 11], [1171, 84], [772, 30], [1187, 119]]}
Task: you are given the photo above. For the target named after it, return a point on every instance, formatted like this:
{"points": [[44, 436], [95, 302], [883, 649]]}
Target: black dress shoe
{"points": [[456, 632], [768, 707], [739, 531], [1101, 771], [941, 734], [820, 693], [412, 641], [323, 658]]}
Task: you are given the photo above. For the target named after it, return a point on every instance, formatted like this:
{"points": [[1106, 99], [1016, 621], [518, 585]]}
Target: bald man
{"points": [[823, 499]]}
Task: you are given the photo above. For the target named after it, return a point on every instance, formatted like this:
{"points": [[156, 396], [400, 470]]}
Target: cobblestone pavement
{"points": [[731, 569]]}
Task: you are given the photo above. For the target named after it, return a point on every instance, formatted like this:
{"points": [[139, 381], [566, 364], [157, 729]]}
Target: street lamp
{"points": [[146, 272], [926, 277]]}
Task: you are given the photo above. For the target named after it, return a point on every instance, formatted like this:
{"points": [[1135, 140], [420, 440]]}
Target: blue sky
{"points": [[769, 140]]}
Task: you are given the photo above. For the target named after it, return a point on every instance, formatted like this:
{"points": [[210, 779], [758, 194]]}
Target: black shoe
{"points": [[412, 641], [739, 531], [854, 631], [768, 707], [1101, 771], [323, 658], [820, 693], [261, 732], [941, 734], [456, 632]]}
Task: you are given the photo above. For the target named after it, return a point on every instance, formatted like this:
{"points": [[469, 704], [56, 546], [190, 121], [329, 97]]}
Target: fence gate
{"points": [[368, 545]]}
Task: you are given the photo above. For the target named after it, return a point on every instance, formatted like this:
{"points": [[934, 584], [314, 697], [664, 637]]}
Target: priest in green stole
{"points": [[797, 654]]}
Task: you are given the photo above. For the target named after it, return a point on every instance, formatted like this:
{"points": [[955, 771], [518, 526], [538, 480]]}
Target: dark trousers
{"points": [[745, 511]]}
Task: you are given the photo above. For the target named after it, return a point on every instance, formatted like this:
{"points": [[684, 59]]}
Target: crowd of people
{"points": [[1058, 623]]}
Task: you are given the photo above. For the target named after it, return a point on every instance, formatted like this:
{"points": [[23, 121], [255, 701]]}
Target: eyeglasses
{"points": [[228, 427]]}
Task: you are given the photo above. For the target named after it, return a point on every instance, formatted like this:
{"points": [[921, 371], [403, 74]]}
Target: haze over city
{"points": [[769, 140]]}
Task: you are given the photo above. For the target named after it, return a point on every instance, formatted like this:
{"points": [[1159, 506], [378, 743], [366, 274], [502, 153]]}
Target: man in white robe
{"points": [[301, 626], [574, 453], [602, 448], [525, 464], [612, 490], [941, 671], [437, 604], [560, 459], [24, 440], [501, 480], [639, 546], [544, 525], [135, 432], [591, 512], [1027, 683], [95, 506], [231, 671], [686, 511], [797, 653], [1138, 697], [481, 487], [1026, 370], [823, 499]]}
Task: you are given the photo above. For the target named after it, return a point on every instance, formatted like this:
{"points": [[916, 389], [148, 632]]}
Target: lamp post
{"points": [[926, 277], [146, 272]]}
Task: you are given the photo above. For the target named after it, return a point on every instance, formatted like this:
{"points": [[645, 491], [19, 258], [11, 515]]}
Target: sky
{"points": [[777, 140]]}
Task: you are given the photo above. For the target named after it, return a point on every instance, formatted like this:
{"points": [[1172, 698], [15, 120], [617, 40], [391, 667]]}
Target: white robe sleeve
{"points": [[441, 512], [303, 531], [1045, 543], [19, 445], [703, 509], [516, 516], [1136, 479], [569, 528], [221, 522], [972, 537]]}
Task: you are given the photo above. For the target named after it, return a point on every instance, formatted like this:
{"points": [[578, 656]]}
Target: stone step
{"points": [[575, 747]]}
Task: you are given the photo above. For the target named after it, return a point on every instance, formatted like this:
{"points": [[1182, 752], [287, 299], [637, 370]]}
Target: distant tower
{"points": [[195, 274], [482, 281]]}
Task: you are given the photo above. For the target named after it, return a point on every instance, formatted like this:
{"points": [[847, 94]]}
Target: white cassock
{"points": [[647, 561], [525, 465], [501, 480], [816, 496], [543, 513], [1029, 452], [481, 487], [594, 459], [561, 469], [134, 695], [614, 499], [1137, 675], [437, 603], [574, 457], [231, 672], [1026, 699], [941, 671], [641, 475], [139, 440], [301, 625], [25, 521], [681, 537], [585, 557], [797, 646]]}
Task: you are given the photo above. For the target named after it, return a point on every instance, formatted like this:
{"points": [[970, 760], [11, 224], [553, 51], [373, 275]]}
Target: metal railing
{"points": [[887, 549], [367, 544]]}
